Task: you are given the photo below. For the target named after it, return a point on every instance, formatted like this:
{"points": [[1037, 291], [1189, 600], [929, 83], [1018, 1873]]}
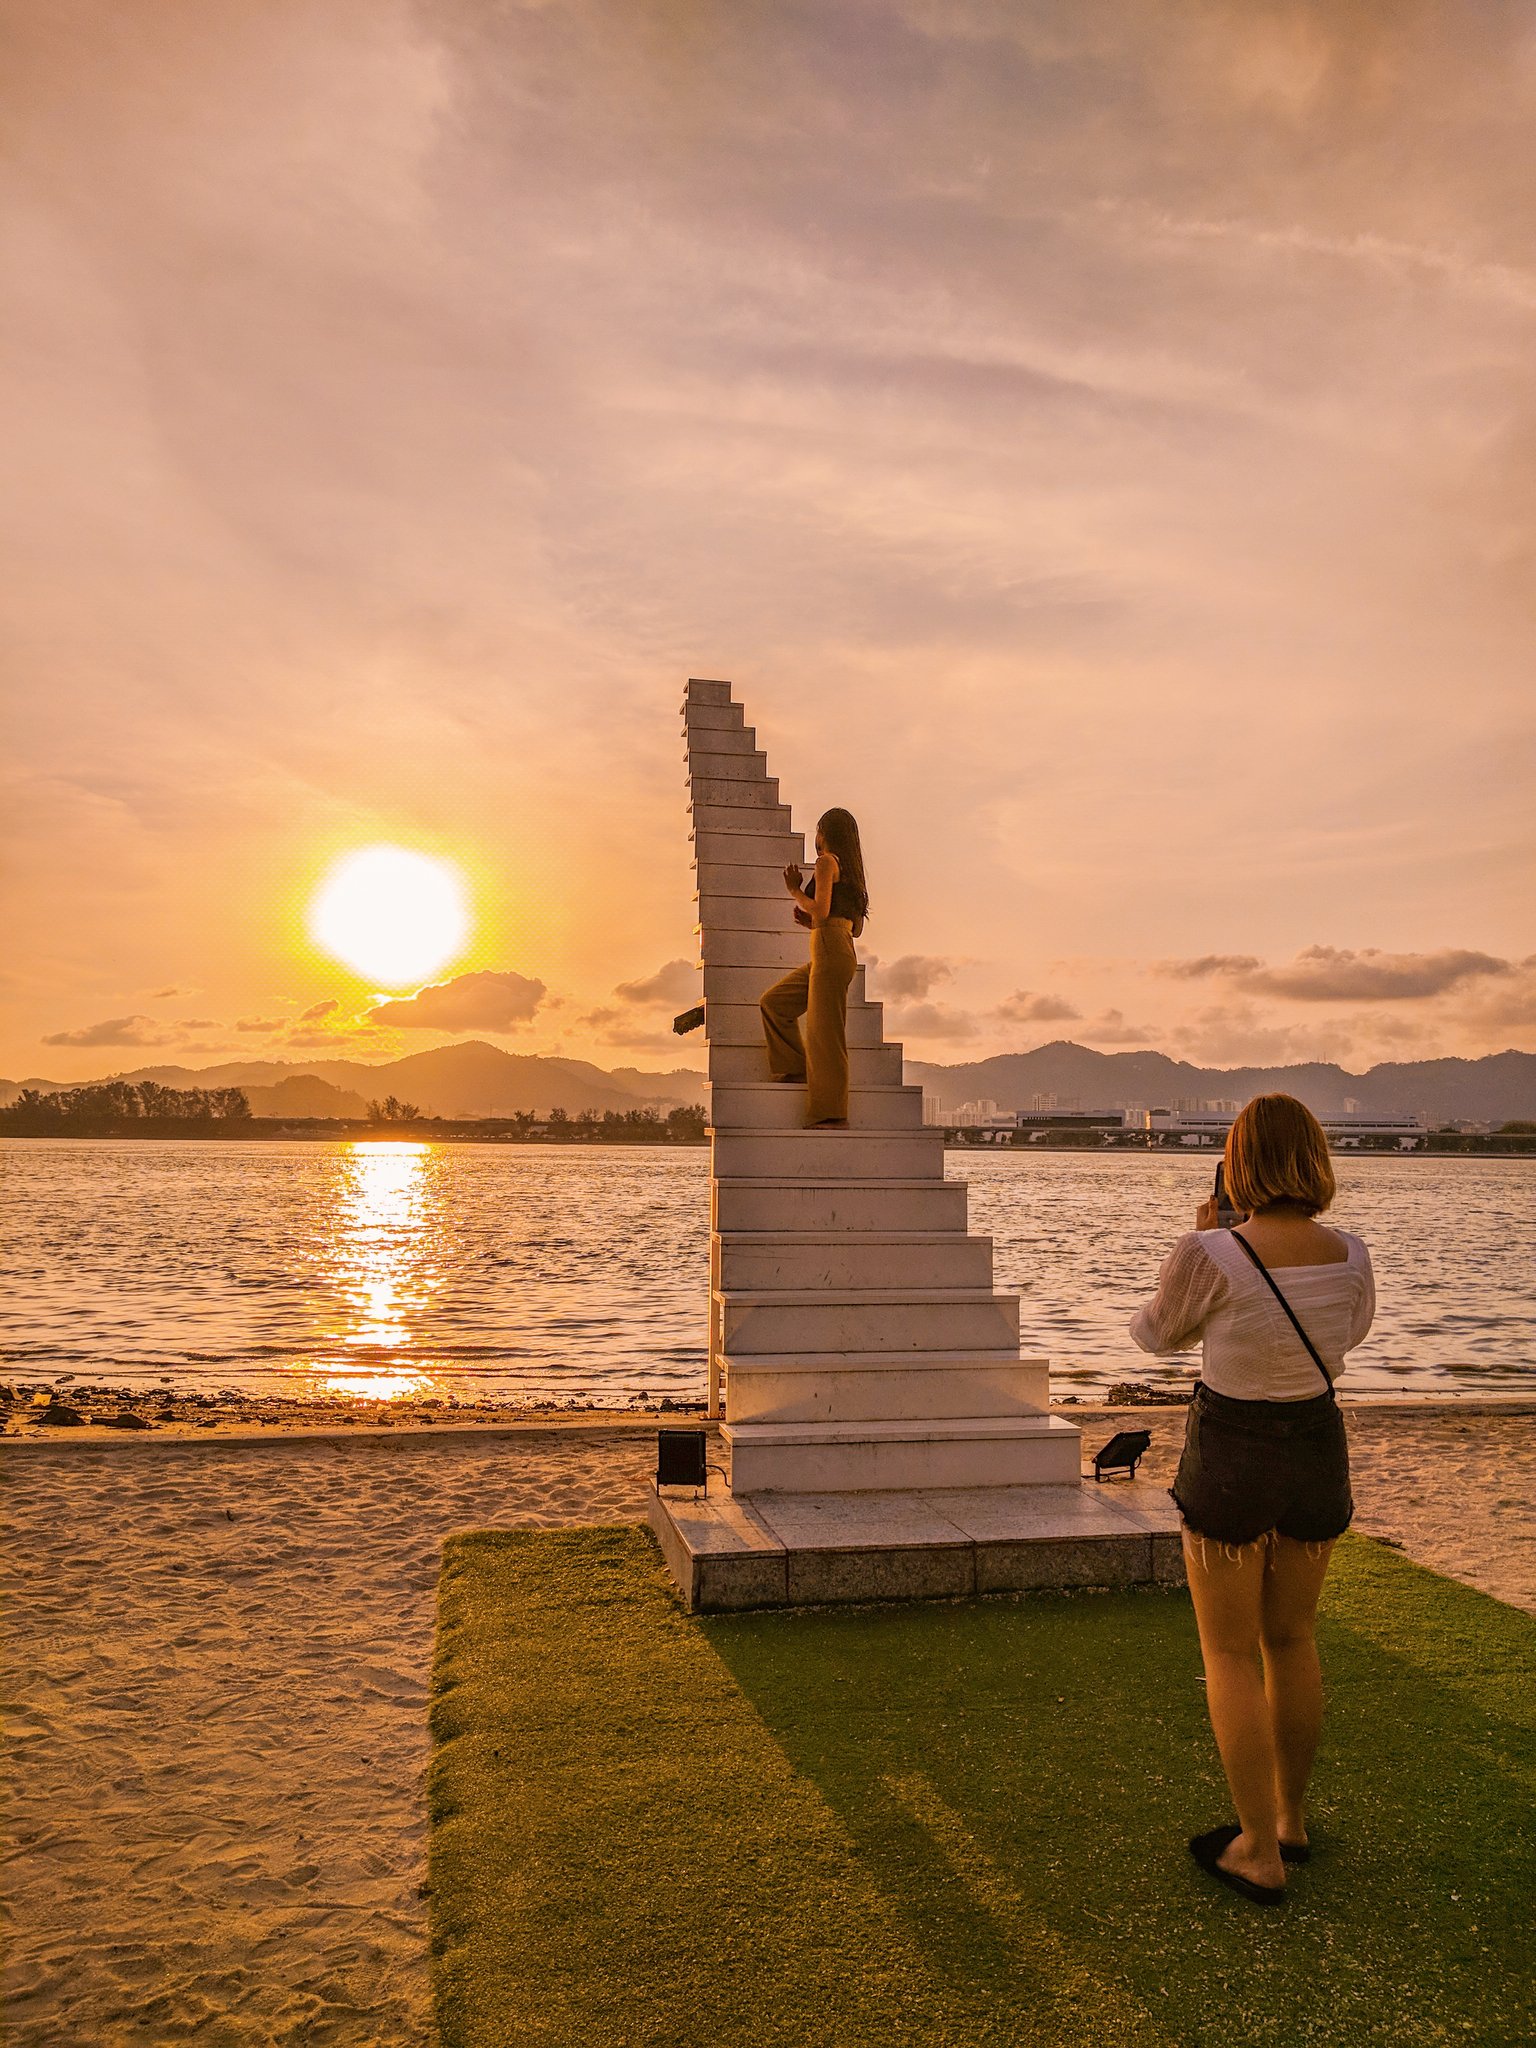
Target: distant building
{"points": [[1210, 1127], [983, 1115], [1042, 1120]]}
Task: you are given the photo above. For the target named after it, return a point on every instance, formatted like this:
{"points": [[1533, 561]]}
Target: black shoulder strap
{"points": [[1269, 1282]]}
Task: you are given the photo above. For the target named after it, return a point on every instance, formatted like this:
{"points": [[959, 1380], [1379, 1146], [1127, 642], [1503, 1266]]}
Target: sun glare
{"points": [[393, 915]]}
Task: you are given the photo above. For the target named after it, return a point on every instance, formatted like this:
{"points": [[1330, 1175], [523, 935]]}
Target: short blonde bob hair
{"points": [[1277, 1152]]}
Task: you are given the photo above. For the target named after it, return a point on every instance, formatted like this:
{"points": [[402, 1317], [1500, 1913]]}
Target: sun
{"points": [[393, 915]]}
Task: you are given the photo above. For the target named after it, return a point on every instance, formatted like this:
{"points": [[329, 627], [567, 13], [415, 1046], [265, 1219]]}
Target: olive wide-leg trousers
{"points": [[818, 992]]}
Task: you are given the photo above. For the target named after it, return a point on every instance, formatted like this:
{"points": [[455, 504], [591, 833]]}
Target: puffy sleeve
{"points": [[1365, 1303], [1189, 1287]]}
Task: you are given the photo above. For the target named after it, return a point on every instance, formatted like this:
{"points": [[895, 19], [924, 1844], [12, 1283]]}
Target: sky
{"points": [[1098, 441]]}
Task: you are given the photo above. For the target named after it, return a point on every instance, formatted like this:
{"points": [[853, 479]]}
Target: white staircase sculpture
{"points": [[857, 1342]]}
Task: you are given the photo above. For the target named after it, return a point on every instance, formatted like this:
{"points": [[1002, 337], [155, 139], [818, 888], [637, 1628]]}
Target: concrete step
{"points": [[780, 1106], [862, 1320], [830, 1207], [790, 1550], [702, 718], [869, 1066], [743, 984], [706, 690], [830, 1457], [739, 1021], [715, 818], [769, 912], [787, 947], [770, 848], [828, 1155], [718, 884], [949, 1385], [733, 739], [734, 767], [863, 1260], [757, 793]]}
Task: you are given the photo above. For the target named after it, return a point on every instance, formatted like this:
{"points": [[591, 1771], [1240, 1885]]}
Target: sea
{"points": [[577, 1274]]}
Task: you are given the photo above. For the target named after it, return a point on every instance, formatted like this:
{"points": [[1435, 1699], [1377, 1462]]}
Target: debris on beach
{"points": [[60, 1416], [1142, 1394]]}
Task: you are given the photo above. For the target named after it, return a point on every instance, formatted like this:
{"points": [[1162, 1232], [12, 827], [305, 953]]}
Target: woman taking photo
{"points": [[1263, 1483], [835, 906]]}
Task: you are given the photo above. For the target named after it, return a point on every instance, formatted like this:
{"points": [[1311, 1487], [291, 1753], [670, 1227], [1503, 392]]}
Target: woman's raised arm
{"points": [[1189, 1287]]}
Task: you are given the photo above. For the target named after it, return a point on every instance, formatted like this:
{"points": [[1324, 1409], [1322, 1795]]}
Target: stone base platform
{"points": [[803, 1549]]}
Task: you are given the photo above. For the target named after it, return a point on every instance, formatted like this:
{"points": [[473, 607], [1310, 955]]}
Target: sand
{"points": [[219, 1651]]}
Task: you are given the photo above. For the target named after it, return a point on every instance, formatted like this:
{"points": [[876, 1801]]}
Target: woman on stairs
{"points": [[834, 905], [1263, 1483]]}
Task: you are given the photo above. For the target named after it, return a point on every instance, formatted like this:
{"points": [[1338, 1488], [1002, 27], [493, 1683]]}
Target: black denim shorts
{"points": [[1252, 1466]]}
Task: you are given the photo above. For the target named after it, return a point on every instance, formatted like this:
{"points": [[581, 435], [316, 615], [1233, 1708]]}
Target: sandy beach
{"points": [[219, 1642]]}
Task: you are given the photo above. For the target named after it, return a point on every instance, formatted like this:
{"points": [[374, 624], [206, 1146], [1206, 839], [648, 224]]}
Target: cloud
{"points": [[160, 994], [1508, 1006], [1025, 1007], [620, 1027], [470, 1002], [200, 1024], [1238, 1034], [1207, 964], [930, 1020], [259, 1024], [1112, 1029], [1341, 974], [316, 1011], [1331, 974], [677, 985], [914, 975], [114, 1031]]}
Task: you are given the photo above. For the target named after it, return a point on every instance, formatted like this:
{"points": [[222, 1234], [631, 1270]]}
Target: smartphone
{"points": [[1226, 1215]]}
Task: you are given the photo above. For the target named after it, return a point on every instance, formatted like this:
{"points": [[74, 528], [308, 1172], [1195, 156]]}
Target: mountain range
{"points": [[474, 1080], [1498, 1087], [468, 1080]]}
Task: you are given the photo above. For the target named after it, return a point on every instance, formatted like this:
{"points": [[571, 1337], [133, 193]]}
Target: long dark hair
{"points": [[839, 831]]}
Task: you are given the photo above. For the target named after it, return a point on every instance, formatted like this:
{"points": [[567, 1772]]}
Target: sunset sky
{"points": [[1098, 440]]}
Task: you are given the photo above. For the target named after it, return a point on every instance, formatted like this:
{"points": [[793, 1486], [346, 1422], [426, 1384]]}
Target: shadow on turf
{"points": [[1022, 1775]]}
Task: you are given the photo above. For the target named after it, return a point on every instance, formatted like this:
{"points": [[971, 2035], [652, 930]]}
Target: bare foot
{"points": [[1241, 1857], [1292, 1830]]}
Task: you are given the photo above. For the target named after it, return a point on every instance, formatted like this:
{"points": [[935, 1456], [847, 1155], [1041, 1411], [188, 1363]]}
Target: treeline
{"points": [[145, 1109], [684, 1126], [610, 1126], [130, 1109]]}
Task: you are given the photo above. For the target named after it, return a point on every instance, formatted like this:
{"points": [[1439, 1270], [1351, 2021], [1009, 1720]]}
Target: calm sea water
{"points": [[579, 1274]]}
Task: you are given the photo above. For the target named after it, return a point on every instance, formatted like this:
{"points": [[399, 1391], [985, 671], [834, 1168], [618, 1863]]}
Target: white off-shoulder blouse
{"points": [[1210, 1293]]}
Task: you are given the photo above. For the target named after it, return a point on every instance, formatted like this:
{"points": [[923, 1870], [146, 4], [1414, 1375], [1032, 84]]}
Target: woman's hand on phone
{"points": [[1205, 1215]]}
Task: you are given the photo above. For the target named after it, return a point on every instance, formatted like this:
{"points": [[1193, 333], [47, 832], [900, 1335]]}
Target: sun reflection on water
{"points": [[386, 1265]]}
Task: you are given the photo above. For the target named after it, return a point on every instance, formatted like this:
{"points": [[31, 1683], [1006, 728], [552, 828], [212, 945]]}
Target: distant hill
{"points": [[475, 1079], [305, 1095], [472, 1079], [1498, 1087]]}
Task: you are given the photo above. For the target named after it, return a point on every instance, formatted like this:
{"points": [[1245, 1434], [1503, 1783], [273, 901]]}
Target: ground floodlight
{"points": [[1122, 1453], [680, 1458]]}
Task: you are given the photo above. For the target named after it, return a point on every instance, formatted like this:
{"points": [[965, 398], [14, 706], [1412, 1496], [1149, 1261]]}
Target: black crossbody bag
{"points": [[1295, 1322]]}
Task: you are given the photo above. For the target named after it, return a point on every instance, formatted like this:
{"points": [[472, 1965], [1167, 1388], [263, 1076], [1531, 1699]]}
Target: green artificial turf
{"points": [[956, 1824]]}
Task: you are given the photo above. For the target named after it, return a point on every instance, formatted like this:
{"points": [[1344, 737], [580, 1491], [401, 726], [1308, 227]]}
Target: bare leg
{"points": [[1226, 1582], [1293, 1678]]}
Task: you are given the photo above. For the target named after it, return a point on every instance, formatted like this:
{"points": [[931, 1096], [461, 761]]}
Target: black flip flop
{"points": [[1206, 1850], [1290, 1852]]}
